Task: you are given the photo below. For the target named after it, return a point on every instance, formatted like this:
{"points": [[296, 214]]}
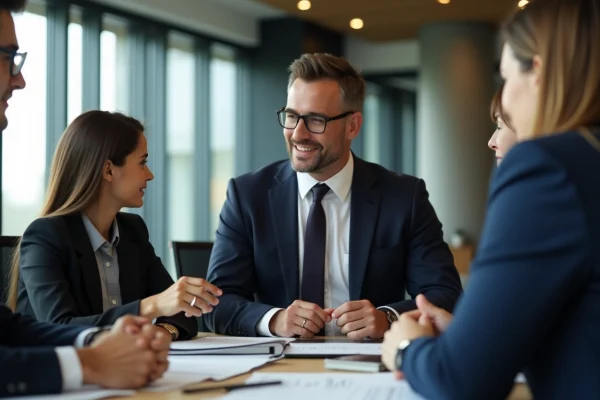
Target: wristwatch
{"points": [[173, 331], [390, 315], [400, 353]]}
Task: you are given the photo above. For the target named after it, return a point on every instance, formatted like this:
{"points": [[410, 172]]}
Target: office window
{"points": [[180, 140], [24, 141], [372, 125], [75, 65], [114, 65], [223, 117]]}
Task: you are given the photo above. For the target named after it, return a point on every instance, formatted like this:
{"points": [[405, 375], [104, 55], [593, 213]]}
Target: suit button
{"points": [[11, 388], [22, 387]]}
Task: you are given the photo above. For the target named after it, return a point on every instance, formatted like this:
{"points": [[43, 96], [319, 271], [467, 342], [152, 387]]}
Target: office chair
{"points": [[7, 246], [191, 259]]}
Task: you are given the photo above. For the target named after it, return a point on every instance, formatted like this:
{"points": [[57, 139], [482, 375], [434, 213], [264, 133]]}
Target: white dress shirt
{"points": [[70, 366], [336, 205]]}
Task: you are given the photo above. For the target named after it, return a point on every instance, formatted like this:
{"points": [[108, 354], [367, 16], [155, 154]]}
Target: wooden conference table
{"points": [[520, 390]]}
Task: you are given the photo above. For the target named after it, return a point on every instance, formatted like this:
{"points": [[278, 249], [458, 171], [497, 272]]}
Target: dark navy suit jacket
{"points": [[533, 299], [28, 362], [60, 282], [396, 244]]}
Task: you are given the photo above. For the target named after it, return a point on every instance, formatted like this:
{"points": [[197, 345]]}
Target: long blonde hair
{"points": [[87, 144], [564, 34]]}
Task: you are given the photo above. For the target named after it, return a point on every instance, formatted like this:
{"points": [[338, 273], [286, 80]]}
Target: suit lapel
{"points": [[87, 262], [364, 210], [283, 201], [129, 265]]}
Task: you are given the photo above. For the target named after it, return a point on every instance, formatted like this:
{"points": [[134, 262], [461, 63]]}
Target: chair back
{"points": [[7, 246], [191, 259]]}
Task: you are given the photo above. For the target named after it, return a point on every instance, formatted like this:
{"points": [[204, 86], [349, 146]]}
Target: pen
{"points": [[231, 387]]}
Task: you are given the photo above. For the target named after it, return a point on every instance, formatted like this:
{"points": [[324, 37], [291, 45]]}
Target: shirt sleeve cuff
{"points": [[81, 339], [70, 368], [391, 309], [263, 324]]}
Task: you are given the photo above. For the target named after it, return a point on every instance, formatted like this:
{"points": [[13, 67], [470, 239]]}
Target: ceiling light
{"points": [[356, 23], [304, 5], [523, 3], [443, 1]]}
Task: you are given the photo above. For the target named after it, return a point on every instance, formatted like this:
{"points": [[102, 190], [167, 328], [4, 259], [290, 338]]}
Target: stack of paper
{"points": [[326, 386], [185, 370]]}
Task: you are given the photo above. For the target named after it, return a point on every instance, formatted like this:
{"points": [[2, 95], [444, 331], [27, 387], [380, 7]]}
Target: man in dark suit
{"points": [[325, 243], [129, 355]]}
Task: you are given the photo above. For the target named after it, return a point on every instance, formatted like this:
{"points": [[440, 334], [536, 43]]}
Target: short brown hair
{"points": [[317, 66], [564, 34], [13, 5], [497, 111]]}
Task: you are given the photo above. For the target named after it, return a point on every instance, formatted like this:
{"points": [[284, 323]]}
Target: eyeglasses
{"points": [[314, 123], [16, 60]]}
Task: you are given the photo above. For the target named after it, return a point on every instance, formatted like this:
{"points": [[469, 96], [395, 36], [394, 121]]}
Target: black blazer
{"points": [[396, 245], [28, 362], [533, 300], [59, 279]]}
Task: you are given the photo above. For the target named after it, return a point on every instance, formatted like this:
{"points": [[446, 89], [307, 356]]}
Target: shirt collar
{"points": [[340, 183], [95, 237]]}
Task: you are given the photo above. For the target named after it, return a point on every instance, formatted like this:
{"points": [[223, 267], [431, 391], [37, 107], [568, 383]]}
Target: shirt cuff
{"points": [[262, 328], [81, 339], [70, 368], [391, 309]]}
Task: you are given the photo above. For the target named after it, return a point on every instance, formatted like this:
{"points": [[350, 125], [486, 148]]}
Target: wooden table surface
{"points": [[520, 391]]}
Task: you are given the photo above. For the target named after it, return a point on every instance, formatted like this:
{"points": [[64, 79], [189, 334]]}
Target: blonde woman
{"points": [[533, 301], [86, 263]]}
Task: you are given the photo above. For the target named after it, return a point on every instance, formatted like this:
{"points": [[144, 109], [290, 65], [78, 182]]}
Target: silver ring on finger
{"points": [[193, 302], [304, 323]]}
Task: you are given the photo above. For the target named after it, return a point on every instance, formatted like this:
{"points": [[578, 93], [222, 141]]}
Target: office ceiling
{"points": [[386, 20]]}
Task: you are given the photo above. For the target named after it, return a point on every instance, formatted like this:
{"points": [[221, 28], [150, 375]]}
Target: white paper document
{"points": [[185, 370], [326, 386], [230, 345], [88, 392], [330, 347]]}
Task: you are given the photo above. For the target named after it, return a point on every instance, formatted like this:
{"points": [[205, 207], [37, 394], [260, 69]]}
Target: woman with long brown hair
{"points": [[533, 301], [84, 262]]}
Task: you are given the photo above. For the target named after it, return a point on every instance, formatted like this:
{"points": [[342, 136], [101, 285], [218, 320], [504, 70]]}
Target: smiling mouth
{"points": [[304, 149]]}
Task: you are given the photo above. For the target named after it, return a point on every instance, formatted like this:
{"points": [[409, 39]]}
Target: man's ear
{"points": [[107, 171], [354, 126]]}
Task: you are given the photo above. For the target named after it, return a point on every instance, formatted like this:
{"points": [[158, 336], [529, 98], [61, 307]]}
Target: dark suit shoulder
{"points": [[51, 228], [264, 176], [131, 221]]}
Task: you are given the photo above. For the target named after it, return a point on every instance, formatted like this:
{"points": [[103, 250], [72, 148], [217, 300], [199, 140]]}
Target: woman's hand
{"points": [[194, 296]]}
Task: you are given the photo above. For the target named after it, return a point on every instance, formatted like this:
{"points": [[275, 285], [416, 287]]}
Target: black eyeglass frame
{"points": [[325, 119], [15, 68]]}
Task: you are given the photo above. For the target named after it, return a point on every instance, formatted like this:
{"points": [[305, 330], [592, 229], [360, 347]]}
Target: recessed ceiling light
{"points": [[523, 3], [304, 5], [443, 1], [356, 23]]}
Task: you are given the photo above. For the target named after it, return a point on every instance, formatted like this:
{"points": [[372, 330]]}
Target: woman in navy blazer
{"points": [[533, 300], [86, 263]]}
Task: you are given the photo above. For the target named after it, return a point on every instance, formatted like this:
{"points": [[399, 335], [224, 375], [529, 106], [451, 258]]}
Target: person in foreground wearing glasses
{"points": [[42, 358], [83, 261], [325, 243], [533, 300]]}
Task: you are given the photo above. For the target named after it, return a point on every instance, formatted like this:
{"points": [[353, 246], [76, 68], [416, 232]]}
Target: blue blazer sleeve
{"points": [[232, 270], [27, 356], [529, 265]]}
